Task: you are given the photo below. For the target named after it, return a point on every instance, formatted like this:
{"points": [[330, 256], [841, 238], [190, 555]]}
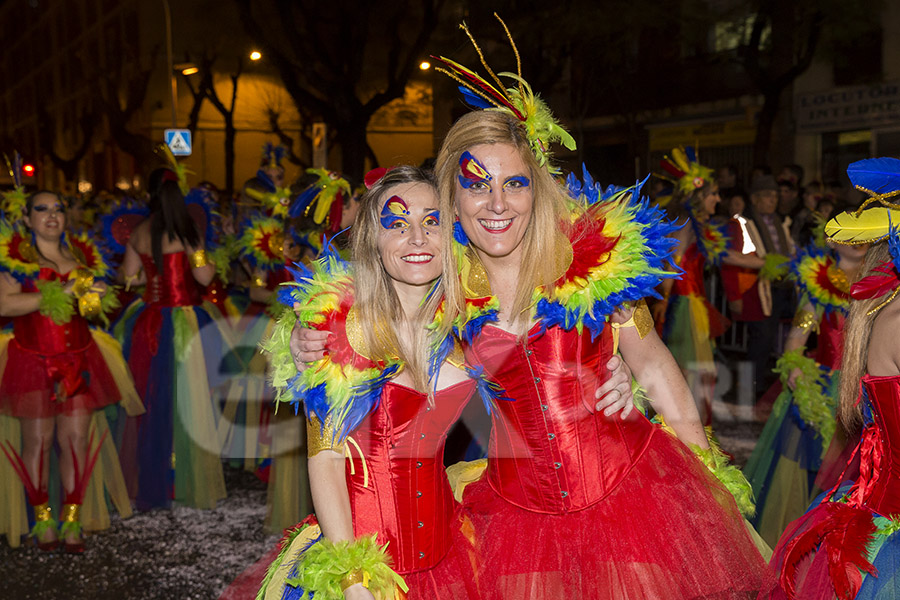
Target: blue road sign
{"points": [[179, 141]]}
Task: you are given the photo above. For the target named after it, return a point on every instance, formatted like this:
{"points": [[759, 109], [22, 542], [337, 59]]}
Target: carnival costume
{"points": [[560, 509], [54, 364], [410, 533], [691, 322], [175, 344], [847, 545], [789, 452]]}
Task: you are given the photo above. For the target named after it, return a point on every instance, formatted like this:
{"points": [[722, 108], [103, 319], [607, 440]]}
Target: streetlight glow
{"points": [[255, 55], [190, 71], [424, 65]]}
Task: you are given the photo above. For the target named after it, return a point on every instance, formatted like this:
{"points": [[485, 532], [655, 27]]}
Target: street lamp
{"points": [[255, 55], [424, 65]]}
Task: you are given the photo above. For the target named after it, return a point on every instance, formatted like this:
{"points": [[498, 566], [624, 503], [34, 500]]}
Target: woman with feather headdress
{"points": [[847, 545], [56, 374]]}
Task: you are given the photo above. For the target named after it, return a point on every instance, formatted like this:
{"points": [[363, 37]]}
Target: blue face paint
{"points": [[394, 213], [432, 219], [517, 182]]}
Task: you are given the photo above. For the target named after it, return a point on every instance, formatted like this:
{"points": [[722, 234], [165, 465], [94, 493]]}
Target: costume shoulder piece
{"points": [[344, 386], [620, 248], [119, 222], [17, 255], [88, 254], [261, 242], [712, 239], [820, 279]]}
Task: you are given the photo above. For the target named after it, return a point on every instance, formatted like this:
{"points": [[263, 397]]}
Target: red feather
{"points": [[375, 175], [875, 286], [843, 533], [76, 496], [671, 168], [476, 82], [35, 494], [589, 248]]}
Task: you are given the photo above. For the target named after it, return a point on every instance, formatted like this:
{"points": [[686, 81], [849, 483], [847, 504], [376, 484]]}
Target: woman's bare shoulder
{"points": [[884, 345]]}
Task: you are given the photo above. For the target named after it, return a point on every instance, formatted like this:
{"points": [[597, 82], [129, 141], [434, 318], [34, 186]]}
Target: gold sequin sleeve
{"points": [[319, 438]]}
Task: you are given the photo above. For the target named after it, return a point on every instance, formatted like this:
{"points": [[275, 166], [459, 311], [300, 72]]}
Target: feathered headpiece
{"points": [[272, 155], [541, 128], [14, 200], [689, 175], [325, 198], [178, 168], [880, 179]]}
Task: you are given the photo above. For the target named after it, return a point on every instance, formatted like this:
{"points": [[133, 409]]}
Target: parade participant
{"points": [[390, 502], [57, 374], [688, 322], [545, 293], [789, 452], [847, 545], [174, 346]]}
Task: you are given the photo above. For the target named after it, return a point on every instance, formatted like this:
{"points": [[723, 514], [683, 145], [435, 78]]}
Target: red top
{"points": [[691, 283], [878, 486], [549, 451], [175, 286], [408, 501], [40, 334], [830, 340]]}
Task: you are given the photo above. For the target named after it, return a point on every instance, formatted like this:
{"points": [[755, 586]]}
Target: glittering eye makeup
{"points": [[46, 207], [472, 172], [394, 214], [516, 182]]}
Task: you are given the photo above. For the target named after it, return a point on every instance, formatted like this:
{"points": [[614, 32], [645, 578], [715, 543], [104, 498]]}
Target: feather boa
{"points": [[810, 395]]}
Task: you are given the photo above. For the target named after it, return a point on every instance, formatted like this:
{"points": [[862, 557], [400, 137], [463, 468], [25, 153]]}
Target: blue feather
{"points": [[692, 156], [303, 200], [880, 175], [489, 391], [473, 99], [894, 245]]}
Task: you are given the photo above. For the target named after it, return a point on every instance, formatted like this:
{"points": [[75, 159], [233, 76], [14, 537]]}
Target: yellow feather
{"points": [[681, 159], [872, 225]]}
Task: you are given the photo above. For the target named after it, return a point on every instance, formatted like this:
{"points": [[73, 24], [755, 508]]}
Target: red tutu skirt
{"points": [[30, 381], [668, 530]]}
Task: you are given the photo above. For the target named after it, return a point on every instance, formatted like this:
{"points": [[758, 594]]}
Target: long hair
{"points": [[857, 332], [377, 304], [545, 243], [168, 214]]}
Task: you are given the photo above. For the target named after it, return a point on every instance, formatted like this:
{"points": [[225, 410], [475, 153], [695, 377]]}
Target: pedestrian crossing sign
{"points": [[179, 141]]}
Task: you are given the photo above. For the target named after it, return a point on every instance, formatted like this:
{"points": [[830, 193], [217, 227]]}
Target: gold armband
{"points": [[806, 321], [43, 512], [199, 259], [353, 577], [319, 437], [71, 513], [640, 319]]}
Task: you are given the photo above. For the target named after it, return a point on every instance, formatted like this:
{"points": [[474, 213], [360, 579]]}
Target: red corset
{"points": [[175, 286], [549, 451], [830, 340], [38, 333], [408, 500], [691, 283], [878, 486]]}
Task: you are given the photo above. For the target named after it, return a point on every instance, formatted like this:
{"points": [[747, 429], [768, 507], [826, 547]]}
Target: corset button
{"points": [[427, 409], [551, 436], [537, 379], [565, 494], [557, 465], [421, 555], [420, 525], [528, 353], [544, 407], [418, 464], [418, 494], [422, 436]]}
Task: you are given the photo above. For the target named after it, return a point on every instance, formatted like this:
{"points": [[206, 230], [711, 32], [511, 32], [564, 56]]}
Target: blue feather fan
{"points": [[880, 175]]}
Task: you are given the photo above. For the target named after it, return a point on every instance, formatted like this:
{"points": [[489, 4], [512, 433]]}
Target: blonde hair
{"points": [[857, 333], [377, 304], [544, 237]]}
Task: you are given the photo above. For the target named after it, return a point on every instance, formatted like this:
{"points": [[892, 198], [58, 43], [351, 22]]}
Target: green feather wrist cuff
{"points": [[56, 304], [327, 567], [775, 267], [281, 363], [811, 392], [728, 475]]}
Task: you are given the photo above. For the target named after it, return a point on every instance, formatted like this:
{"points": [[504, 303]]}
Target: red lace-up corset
{"points": [[407, 499], [175, 286], [550, 452]]}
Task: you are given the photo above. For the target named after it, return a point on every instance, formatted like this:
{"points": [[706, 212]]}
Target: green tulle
{"points": [[56, 304], [326, 563], [810, 394], [281, 363], [728, 475]]}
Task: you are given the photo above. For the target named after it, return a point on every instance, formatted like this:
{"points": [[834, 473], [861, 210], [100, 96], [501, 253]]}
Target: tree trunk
{"points": [[764, 125], [352, 139], [229, 152]]}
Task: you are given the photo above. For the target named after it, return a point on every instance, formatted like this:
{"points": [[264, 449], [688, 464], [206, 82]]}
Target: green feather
{"points": [[56, 304], [70, 528], [281, 363], [326, 563], [42, 527], [286, 542], [815, 406], [728, 475], [775, 267]]}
